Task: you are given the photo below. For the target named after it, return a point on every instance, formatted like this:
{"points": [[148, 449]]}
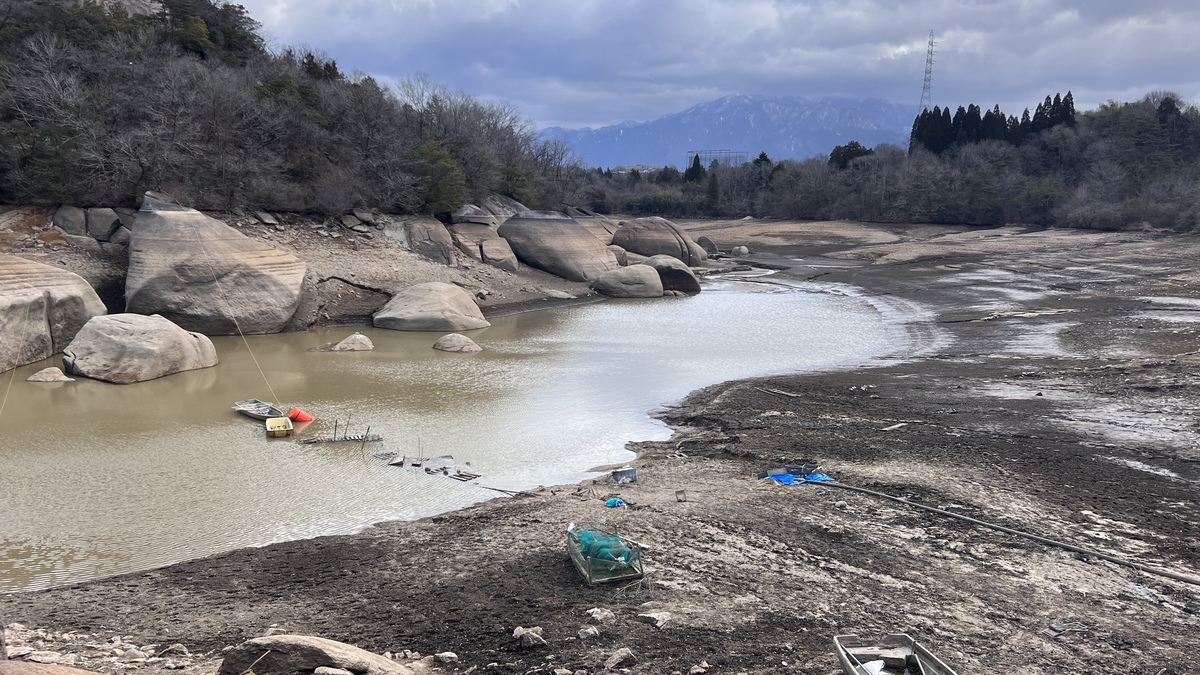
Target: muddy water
{"points": [[99, 479]]}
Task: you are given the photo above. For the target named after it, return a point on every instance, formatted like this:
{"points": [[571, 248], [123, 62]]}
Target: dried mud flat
{"points": [[1050, 387]]}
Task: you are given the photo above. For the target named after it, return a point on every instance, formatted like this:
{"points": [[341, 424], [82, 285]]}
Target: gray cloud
{"points": [[595, 62]]}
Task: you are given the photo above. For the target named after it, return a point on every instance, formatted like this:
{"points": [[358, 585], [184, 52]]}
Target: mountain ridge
{"points": [[792, 127]]}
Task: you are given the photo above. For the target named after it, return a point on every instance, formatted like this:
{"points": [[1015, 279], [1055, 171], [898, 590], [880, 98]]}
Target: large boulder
{"points": [[674, 274], [206, 276], [658, 236], [433, 306], [127, 348], [483, 244], [558, 245], [635, 281], [597, 224], [428, 237], [287, 654], [101, 223], [71, 219], [41, 309], [492, 211]]}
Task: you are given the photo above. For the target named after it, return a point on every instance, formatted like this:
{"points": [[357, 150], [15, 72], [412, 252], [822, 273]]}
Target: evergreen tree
{"points": [[1068, 109], [712, 194], [695, 173]]}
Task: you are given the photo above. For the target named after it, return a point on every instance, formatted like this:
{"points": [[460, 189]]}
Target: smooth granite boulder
{"points": [[433, 306], [454, 342], [558, 245], [41, 309], [429, 237], [206, 276], [482, 243], [658, 236], [674, 274], [635, 281], [620, 254], [287, 654], [492, 211], [101, 223], [71, 219], [597, 224], [128, 348], [709, 246]]}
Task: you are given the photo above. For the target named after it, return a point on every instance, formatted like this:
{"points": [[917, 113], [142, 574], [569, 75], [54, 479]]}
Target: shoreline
{"points": [[993, 425]]}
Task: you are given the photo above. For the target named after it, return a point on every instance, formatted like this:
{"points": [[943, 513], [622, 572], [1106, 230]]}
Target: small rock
{"points": [[171, 665], [601, 615], [740, 251], [622, 657], [588, 632], [132, 654], [349, 221], [659, 619], [175, 649], [355, 343], [697, 670], [457, 343], [529, 637], [365, 216], [49, 375], [563, 671], [266, 218], [326, 670], [557, 294], [841, 504], [44, 657], [446, 657]]}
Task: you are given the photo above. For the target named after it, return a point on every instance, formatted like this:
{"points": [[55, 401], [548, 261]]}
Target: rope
{"points": [[221, 294], [1008, 530]]}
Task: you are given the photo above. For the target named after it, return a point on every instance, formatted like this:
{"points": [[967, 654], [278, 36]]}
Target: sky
{"points": [[577, 63]]}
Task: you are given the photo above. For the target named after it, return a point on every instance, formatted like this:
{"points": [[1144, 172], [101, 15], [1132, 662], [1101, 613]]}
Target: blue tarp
{"points": [[792, 479]]}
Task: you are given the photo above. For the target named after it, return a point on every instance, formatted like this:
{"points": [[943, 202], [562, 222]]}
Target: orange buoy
{"points": [[298, 415]]}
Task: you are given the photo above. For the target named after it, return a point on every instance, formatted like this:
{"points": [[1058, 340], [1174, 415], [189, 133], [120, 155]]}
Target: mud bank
{"points": [[1059, 398]]}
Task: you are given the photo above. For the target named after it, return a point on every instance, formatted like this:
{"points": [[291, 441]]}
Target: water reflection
{"points": [[98, 479]]}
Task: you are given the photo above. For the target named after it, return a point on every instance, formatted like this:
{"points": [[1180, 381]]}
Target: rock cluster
{"points": [[206, 276], [127, 348], [96, 229], [41, 310]]}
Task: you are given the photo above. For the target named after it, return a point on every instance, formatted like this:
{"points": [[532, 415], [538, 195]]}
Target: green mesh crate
{"points": [[602, 556]]}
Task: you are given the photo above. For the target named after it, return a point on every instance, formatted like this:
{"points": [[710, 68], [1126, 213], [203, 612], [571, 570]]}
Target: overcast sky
{"points": [[595, 62]]}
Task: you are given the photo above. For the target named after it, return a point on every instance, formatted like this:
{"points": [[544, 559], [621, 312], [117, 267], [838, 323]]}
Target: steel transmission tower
{"points": [[927, 91]]}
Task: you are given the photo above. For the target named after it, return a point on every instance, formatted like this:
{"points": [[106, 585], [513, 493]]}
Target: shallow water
{"points": [[99, 479]]}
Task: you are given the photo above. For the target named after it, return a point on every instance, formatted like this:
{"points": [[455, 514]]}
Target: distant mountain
{"points": [[782, 126]]}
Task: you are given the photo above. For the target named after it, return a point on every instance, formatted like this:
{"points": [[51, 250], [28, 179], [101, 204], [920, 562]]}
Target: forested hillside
{"points": [[1121, 165], [98, 106]]}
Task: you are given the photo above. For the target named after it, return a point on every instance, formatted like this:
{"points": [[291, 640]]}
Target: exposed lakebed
{"points": [[99, 479]]}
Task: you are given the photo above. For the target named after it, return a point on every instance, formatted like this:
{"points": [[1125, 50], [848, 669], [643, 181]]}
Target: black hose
{"points": [[1008, 530]]}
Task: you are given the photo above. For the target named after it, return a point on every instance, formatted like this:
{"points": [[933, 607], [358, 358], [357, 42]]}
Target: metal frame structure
{"points": [[725, 157], [927, 90]]}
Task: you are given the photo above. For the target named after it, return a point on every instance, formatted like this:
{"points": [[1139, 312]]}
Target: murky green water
{"points": [[99, 479]]}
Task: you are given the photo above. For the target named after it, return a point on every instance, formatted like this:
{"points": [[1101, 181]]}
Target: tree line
{"points": [[1120, 165], [98, 106]]}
